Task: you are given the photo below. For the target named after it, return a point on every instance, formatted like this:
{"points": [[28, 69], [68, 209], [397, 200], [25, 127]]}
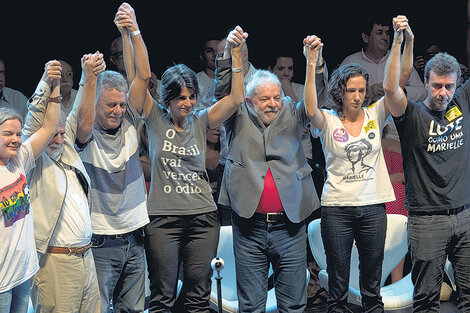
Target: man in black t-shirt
{"points": [[434, 136]]}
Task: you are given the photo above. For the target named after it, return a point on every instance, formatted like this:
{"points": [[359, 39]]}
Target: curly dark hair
{"points": [[337, 85]]}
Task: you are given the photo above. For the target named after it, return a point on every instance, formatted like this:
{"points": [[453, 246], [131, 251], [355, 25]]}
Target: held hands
{"points": [[52, 72], [93, 64], [313, 49], [401, 26], [236, 39], [125, 19]]}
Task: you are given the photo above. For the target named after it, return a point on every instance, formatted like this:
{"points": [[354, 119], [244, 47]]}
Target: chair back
{"points": [[396, 247]]}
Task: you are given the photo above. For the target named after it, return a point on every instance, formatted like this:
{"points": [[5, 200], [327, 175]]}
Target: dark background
{"points": [[33, 33]]}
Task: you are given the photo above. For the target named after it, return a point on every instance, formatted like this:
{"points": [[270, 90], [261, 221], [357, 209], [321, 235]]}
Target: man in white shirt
{"points": [[373, 56], [67, 92], [11, 98], [66, 280], [205, 77]]}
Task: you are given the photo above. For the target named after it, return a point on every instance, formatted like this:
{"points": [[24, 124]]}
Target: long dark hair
{"points": [[174, 79], [337, 85]]}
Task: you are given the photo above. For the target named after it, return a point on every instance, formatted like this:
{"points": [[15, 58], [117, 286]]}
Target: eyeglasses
{"points": [[117, 55], [67, 74]]}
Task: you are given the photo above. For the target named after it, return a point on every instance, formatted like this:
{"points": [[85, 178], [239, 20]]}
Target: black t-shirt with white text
{"points": [[436, 150]]}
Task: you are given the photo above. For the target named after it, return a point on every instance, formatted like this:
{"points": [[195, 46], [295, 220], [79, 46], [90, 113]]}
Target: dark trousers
{"points": [[190, 239], [432, 239], [340, 226]]}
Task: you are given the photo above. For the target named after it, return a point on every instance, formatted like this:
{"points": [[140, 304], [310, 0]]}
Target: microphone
{"points": [[217, 264]]}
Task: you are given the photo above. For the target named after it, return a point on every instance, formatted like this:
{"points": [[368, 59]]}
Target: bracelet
{"points": [[320, 67], [135, 33], [237, 69], [57, 99]]}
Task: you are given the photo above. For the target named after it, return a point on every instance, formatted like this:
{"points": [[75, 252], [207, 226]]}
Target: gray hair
{"points": [[260, 77], [111, 80], [442, 64], [9, 114]]}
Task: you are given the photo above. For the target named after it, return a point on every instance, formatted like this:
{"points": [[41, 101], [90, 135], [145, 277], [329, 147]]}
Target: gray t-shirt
{"points": [[180, 184]]}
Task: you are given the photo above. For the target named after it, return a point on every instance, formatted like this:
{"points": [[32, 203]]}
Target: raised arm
{"points": [[312, 47], [84, 105], [136, 59], [407, 57], [40, 138], [38, 102], [225, 107], [395, 99]]}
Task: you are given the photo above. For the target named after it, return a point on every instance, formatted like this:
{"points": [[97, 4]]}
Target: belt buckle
{"points": [[451, 211], [274, 217], [70, 251]]}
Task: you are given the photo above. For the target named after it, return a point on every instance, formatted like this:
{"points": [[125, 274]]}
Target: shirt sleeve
{"points": [[26, 156], [37, 109], [401, 121], [415, 90]]}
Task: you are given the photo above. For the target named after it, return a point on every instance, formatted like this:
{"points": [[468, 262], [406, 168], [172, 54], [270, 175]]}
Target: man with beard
{"points": [[434, 137], [373, 56], [66, 280], [268, 185]]}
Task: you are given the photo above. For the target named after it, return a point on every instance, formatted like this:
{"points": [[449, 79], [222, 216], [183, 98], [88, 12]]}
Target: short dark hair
{"points": [[277, 53], [442, 64], [368, 23], [174, 79], [337, 84]]}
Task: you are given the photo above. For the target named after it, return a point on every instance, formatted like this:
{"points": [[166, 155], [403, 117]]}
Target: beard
{"points": [[54, 152], [267, 116]]}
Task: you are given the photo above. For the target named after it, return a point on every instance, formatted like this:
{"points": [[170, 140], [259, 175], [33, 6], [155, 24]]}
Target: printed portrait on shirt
{"points": [[356, 153]]}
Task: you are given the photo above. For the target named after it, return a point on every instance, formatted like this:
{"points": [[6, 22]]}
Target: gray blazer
{"points": [[253, 148]]}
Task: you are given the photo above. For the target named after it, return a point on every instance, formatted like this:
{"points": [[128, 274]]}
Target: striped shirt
{"points": [[118, 194]]}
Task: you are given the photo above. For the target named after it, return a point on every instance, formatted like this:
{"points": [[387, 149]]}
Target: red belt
{"points": [[69, 251]]}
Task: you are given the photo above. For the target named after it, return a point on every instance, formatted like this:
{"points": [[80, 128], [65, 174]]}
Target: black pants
{"points": [[192, 239]]}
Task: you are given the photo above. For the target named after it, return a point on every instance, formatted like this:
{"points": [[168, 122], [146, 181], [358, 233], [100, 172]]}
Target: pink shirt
{"points": [[269, 201]]}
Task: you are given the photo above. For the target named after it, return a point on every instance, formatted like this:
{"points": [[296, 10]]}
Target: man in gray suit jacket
{"points": [[268, 185]]}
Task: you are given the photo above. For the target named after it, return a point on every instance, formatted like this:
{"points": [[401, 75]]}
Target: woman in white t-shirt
{"points": [[358, 184], [18, 258]]}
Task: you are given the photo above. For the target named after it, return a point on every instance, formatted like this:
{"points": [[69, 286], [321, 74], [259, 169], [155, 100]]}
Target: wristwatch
{"points": [[55, 99]]}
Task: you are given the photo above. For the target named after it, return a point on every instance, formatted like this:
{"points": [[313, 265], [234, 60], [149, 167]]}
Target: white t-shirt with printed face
{"points": [[18, 258], [357, 174]]}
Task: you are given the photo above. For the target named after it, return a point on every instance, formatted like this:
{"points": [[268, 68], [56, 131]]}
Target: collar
{"points": [[3, 96], [383, 59]]}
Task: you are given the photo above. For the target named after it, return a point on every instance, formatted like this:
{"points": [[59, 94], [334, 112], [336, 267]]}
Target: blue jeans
{"points": [[432, 239], [120, 267], [340, 226], [191, 239], [256, 245], [15, 300]]}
